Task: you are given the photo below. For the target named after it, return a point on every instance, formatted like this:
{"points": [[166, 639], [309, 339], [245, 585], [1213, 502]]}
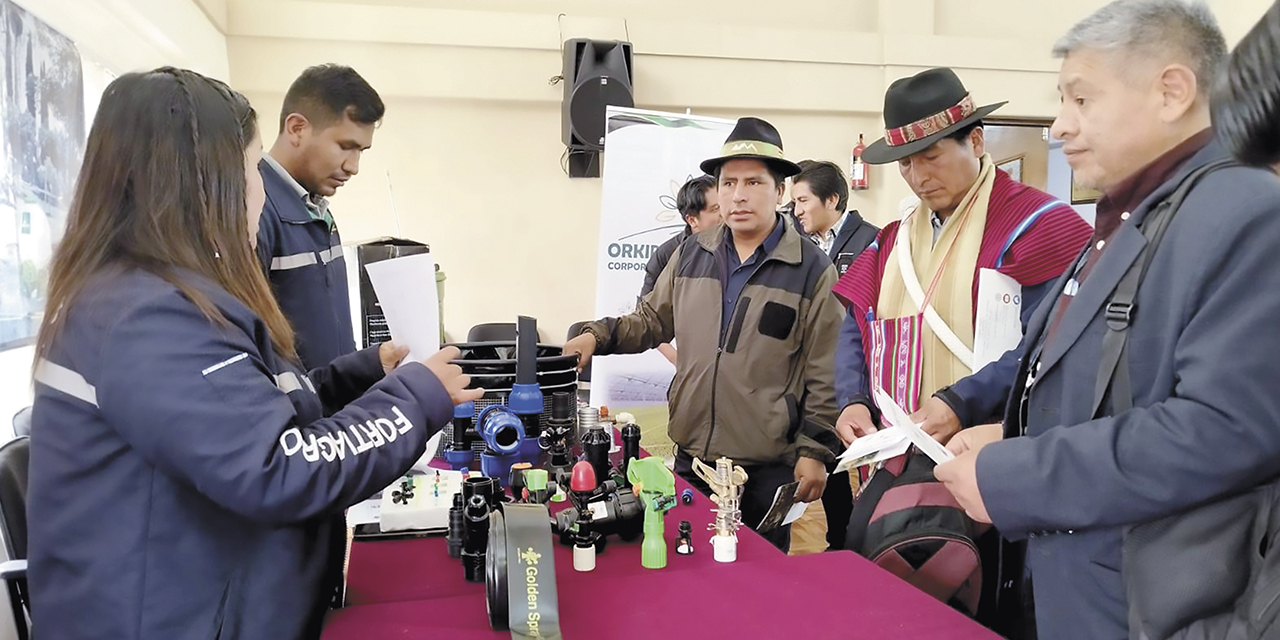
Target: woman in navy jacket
{"points": [[187, 477]]}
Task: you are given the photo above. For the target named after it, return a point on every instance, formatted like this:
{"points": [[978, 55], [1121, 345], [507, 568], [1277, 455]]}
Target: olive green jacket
{"points": [[762, 391]]}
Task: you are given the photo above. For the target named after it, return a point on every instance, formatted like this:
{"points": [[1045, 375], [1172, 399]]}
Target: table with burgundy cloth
{"points": [[413, 589]]}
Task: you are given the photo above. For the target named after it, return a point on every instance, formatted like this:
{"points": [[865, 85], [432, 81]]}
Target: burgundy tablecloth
{"points": [[830, 595], [413, 589]]}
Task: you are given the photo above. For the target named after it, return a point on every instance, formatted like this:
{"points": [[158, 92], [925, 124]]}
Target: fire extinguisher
{"points": [[858, 168]]}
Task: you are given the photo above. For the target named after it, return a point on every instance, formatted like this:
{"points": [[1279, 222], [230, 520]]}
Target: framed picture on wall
{"points": [[1012, 166], [1020, 148], [1083, 195]]}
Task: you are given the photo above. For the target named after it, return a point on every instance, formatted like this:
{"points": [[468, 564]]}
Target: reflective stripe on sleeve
{"points": [[60, 378]]}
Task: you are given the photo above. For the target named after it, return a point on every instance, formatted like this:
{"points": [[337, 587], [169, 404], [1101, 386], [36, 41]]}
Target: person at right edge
{"points": [[1246, 110], [1142, 439]]}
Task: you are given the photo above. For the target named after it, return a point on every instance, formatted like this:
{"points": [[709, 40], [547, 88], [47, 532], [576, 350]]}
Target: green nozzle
{"points": [[535, 479], [657, 491]]}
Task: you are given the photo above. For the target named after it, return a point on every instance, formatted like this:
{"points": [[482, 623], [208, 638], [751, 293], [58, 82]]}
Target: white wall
{"points": [[472, 136], [132, 35], [472, 132]]}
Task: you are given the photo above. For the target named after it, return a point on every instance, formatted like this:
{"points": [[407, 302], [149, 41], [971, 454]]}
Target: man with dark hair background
{"points": [[326, 123], [696, 202], [821, 196]]}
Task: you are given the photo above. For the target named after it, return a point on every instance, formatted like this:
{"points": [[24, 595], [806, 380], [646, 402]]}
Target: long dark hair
{"points": [[1246, 107], [162, 189]]}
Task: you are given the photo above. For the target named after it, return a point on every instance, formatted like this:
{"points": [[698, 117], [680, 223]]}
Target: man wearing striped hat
{"points": [[912, 295]]}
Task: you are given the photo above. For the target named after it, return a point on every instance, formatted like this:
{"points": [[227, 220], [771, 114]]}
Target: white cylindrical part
{"points": [[725, 548], [584, 558]]}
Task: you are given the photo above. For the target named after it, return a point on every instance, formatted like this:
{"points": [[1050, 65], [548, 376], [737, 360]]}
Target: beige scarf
{"points": [[956, 254]]}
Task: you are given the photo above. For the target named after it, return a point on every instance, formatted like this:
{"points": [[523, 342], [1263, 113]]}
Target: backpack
{"points": [[907, 523]]}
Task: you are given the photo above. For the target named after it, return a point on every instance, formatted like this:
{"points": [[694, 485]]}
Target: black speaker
{"points": [[597, 73]]}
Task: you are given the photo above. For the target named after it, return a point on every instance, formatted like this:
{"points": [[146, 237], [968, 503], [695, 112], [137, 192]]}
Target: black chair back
{"points": [[15, 459], [22, 422], [492, 332]]}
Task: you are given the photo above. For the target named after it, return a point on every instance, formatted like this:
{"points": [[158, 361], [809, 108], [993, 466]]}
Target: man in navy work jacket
{"points": [[820, 197], [326, 123], [1201, 340]]}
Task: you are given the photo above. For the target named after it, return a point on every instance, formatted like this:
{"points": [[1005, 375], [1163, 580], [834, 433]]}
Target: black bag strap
{"points": [[1113, 370]]}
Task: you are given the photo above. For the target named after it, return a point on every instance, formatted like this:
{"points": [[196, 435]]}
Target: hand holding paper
{"points": [[961, 478], [937, 419], [881, 445], [895, 415]]}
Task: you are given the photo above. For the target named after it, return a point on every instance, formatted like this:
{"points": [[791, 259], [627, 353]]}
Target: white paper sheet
{"points": [[794, 514], [998, 325], [406, 289], [367, 512], [898, 417], [881, 445], [783, 509], [423, 465]]}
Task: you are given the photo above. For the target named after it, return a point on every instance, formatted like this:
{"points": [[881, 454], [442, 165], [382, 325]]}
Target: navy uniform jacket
{"points": [[303, 260], [185, 480], [855, 235], [1204, 371]]}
